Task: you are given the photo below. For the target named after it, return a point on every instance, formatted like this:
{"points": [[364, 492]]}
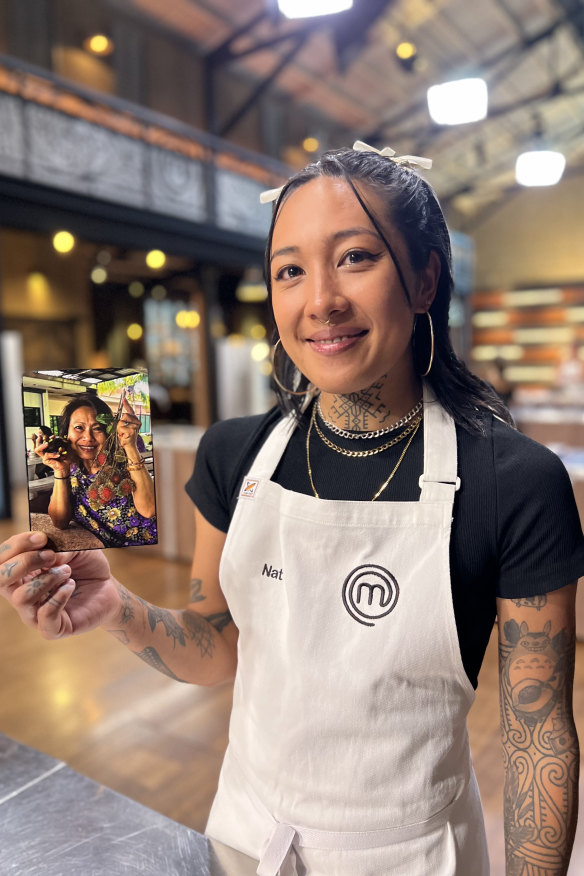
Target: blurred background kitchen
{"points": [[135, 138]]}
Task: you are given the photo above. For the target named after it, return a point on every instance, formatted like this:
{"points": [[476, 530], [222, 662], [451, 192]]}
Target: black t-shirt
{"points": [[515, 532]]}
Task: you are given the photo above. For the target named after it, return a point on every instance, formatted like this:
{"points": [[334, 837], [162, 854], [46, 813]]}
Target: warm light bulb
{"points": [[134, 331], [405, 51], [63, 241], [98, 44], [136, 289], [99, 276], [155, 259], [310, 144]]}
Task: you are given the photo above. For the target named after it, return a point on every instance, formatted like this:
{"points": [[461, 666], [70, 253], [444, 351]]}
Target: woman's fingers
{"points": [[21, 555], [52, 588], [52, 620]]}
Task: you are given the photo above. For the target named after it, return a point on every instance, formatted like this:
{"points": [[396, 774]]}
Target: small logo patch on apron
{"points": [[249, 487], [370, 592]]}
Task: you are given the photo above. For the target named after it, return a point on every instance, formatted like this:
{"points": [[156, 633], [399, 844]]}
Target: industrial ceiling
{"points": [[345, 68]]}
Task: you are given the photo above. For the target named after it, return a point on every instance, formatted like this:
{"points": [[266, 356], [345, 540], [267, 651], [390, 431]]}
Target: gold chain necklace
{"points": [[384, 484], [362, 454]]}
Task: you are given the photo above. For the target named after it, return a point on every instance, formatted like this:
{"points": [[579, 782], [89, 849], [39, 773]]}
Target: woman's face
{"points": [[329, 261], [86, 435]]}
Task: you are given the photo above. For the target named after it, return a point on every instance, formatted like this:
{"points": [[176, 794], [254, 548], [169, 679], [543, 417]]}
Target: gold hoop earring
{"points": [[276, 379], [431, 362]]}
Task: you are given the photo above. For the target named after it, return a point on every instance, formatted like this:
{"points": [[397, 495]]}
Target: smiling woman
{"points": [[114, 502], [344, 315], [353, 547]]}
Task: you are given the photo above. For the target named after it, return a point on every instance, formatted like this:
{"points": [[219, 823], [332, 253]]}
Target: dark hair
{"points": [[44, 430], [412, 206], [80, 401]]}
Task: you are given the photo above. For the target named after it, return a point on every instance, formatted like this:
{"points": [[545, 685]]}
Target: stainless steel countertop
{"points": [[56, 822]]}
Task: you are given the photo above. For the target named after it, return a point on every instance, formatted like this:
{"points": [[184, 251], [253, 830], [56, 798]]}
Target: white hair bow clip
{"points": [[388, 152], [359, 146], [270, 195]]}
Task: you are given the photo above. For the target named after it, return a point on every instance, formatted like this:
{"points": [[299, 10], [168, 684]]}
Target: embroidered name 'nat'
{"points": [[272, 572]]}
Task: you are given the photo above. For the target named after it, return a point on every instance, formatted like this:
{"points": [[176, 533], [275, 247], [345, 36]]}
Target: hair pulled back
{"points": [[413, 208]]}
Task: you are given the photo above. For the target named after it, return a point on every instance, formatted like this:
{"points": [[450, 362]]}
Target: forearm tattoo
{"points": [[540, 748], [195, 590], [219, 620], [127, 610], [165, 617], [152, 658], [200, 631]]}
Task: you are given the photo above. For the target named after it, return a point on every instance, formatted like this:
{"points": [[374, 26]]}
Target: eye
{"points": [[358, 256], [289, 272]]}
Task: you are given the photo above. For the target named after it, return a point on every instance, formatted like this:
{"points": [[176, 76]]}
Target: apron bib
{"points": [[348, 752]]}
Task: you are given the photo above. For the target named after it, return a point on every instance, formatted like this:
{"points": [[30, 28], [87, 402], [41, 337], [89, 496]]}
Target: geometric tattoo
{"points": [[540, 748], [152, 657], [219, 620], [200, 632], [166, 618], [361, 410]]}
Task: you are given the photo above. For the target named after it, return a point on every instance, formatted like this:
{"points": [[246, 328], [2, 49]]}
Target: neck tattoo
{"points": [[360, 411]]}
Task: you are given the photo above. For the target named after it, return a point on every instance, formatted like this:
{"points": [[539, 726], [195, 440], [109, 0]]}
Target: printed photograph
{"points": [[89, 457]]}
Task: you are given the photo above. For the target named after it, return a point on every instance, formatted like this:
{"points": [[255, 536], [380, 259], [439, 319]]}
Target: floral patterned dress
{"points": [[108, 509]]}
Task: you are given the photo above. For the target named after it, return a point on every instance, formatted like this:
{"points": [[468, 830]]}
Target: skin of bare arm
{"points": [[540, 743], [68, 594], [127, 429], [197, 644]]}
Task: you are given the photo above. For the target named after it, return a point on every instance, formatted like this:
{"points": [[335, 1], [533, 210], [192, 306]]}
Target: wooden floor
{"points": [[92, 704]]}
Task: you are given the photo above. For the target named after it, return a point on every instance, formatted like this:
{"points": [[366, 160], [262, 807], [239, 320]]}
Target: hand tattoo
{"points": [[8, 568]]}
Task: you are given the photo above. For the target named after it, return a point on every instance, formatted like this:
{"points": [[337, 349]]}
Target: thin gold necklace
{"points": [[384, 484], [362, 454]]}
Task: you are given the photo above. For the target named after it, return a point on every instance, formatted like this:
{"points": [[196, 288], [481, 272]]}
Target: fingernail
{"points": [[59, 570], [46, 555], [37, 538]]}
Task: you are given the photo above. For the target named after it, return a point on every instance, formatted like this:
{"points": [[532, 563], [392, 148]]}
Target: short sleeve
{"points": [[541, 546], [224, 455], [207, 484]]}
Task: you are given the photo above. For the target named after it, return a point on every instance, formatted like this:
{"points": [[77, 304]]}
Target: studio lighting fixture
{"points": [[458, 102], [540, 167], [312, 8]]}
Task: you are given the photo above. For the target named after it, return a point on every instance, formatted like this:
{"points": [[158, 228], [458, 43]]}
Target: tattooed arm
{"points": [[197, 644], [540, 744], [71, 593]]}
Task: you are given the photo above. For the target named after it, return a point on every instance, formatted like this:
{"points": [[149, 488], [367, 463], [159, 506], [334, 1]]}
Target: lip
{"points": [[336, 340]]}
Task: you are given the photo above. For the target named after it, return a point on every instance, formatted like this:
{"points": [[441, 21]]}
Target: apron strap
{"points": [[439, 481], [277, 849]]}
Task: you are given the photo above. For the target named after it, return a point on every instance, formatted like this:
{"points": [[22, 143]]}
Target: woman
{"points": [[114, 499], [350, 558]]}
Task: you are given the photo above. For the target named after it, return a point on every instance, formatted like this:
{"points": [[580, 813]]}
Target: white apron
{"points": [[348, 752]]}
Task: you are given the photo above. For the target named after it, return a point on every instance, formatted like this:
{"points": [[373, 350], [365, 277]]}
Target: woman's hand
{"points": [[128, 426], [60, 464], [58, 594]]}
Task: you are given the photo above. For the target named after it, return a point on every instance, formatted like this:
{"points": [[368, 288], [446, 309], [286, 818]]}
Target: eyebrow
{"points": [[338, 235]]}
